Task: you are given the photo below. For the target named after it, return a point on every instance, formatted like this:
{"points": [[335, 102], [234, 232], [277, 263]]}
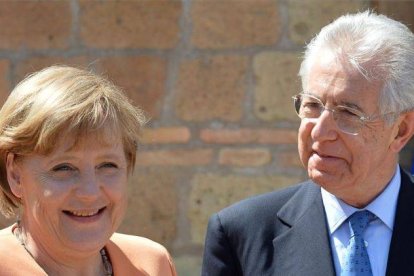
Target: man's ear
{"points": [[13, 175], [404, 131]]}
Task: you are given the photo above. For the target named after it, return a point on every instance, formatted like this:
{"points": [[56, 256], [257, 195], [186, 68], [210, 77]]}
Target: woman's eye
{"points": [[108, 165], [62, 168]]}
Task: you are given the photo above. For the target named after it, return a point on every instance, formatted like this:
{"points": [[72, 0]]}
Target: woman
{"points": [[67, 146]]}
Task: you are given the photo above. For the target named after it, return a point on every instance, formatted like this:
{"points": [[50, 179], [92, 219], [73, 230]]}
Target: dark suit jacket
{"points": [[286, 233]]}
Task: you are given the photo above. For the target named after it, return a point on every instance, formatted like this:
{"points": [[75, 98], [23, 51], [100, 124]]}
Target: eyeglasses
{"points": [[348, 120]]}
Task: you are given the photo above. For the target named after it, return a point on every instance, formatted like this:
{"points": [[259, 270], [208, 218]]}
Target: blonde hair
{"points": [[57, 101]]}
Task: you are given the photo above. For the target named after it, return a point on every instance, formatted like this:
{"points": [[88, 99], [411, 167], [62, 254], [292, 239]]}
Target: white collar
{"points": [[383, 206]]}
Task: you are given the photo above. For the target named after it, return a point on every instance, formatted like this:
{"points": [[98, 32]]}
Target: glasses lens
{"points": [[307, 106], [347, 120]]}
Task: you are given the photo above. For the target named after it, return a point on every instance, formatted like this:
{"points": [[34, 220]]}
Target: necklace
{"points": [[104, 255], [106, 262]]}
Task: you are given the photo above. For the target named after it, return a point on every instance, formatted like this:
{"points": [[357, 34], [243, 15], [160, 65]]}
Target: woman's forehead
{"points": [[97, 138]]}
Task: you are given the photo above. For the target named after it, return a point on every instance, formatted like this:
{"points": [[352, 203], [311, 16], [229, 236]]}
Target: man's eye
{"points": [[348, 113], [310, 109], [311, 105]]}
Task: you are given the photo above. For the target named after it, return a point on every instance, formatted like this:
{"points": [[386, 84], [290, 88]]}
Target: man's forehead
{"points": [[335, 77]]}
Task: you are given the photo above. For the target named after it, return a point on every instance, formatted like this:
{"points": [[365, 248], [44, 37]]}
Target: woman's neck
{"points": [[55, 261]]}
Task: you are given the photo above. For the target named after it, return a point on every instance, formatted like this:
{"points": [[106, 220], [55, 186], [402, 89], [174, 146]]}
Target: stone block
{"points": [[276, 81], [306, 18], [212, 192], [211, 88], [35, 24], [142, 78], [130, 24], [179, 157], [165, 135], [247, 157], [4, 80], [153, 205], [249, 135], [234, 24]]}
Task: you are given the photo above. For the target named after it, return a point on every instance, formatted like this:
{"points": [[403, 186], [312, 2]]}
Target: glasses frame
{"points": [[363, 119]]}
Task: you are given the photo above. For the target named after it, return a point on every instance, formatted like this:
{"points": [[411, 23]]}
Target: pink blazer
{"points": [[130, 255]]}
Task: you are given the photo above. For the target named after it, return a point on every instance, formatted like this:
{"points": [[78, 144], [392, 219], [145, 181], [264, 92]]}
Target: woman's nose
{"points": [[89, 186]]}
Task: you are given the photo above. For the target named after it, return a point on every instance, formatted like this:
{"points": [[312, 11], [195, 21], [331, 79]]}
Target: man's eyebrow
{"points": [[350, 105]]}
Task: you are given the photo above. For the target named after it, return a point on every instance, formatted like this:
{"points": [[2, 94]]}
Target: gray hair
{"points": [[376, 46]]}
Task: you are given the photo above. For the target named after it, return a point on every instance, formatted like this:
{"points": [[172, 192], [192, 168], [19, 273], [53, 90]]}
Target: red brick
{"points": [[142, 78], [130, 24], [244, 157], [234, 24], [211, 88], [35, 24], [247, 136], [179, 157], [32, 65], [165, 135], [4, 81]]}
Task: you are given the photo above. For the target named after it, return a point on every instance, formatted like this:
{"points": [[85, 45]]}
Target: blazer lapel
{"points": [[400, 258], [304, 248]]}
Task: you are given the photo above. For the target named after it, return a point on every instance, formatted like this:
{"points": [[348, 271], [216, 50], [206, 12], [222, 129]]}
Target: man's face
{"points": [[355, 168]]}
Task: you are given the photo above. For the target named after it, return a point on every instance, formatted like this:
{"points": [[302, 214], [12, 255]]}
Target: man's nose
{"points": [[325, 127]]}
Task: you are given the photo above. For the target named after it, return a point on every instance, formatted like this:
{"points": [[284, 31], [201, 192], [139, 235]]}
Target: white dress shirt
{"points": [[378, 233]]}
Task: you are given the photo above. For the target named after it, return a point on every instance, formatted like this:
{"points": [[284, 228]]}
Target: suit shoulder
{"points": [[145, 254], [7, 240], [13, 255], [133, 244], [261, 207], [274, 200]]}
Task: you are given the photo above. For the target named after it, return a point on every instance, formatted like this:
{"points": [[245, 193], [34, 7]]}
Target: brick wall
{"points": [[216, 78]]}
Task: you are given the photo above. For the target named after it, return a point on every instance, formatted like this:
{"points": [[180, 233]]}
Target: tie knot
{"points": [[359, 221]]}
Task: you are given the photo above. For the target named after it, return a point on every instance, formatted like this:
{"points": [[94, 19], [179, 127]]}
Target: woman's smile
{"points": [[85, 216]]}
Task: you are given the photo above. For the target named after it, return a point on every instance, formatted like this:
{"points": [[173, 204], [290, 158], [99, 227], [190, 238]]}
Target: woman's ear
{"points": [[405, 131], [13, 175]]}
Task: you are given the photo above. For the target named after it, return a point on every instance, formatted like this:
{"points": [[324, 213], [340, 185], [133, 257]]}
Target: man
{"points": [[355, 216]]}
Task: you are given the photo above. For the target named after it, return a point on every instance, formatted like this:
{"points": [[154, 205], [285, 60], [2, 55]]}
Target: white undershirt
{"points": [[378, 233]]}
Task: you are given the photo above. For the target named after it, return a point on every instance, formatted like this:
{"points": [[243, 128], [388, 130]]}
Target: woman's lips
{"points": [[84, 215]]}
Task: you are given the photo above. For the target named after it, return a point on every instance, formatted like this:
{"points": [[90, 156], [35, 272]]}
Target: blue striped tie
{"points": [[356, 259]]}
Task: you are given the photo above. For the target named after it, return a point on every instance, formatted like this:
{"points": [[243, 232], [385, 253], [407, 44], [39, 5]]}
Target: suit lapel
{"points": [[304, 248], [400, 259]]}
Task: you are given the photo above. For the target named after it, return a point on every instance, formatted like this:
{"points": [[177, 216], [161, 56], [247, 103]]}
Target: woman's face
{"points": [[75, 197]]}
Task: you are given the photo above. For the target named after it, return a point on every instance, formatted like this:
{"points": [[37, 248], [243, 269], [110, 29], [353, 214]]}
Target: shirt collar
{"points": [[338, 211]]}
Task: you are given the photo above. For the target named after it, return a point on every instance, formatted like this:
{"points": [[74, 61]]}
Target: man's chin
{"points": [[323, 178]]}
